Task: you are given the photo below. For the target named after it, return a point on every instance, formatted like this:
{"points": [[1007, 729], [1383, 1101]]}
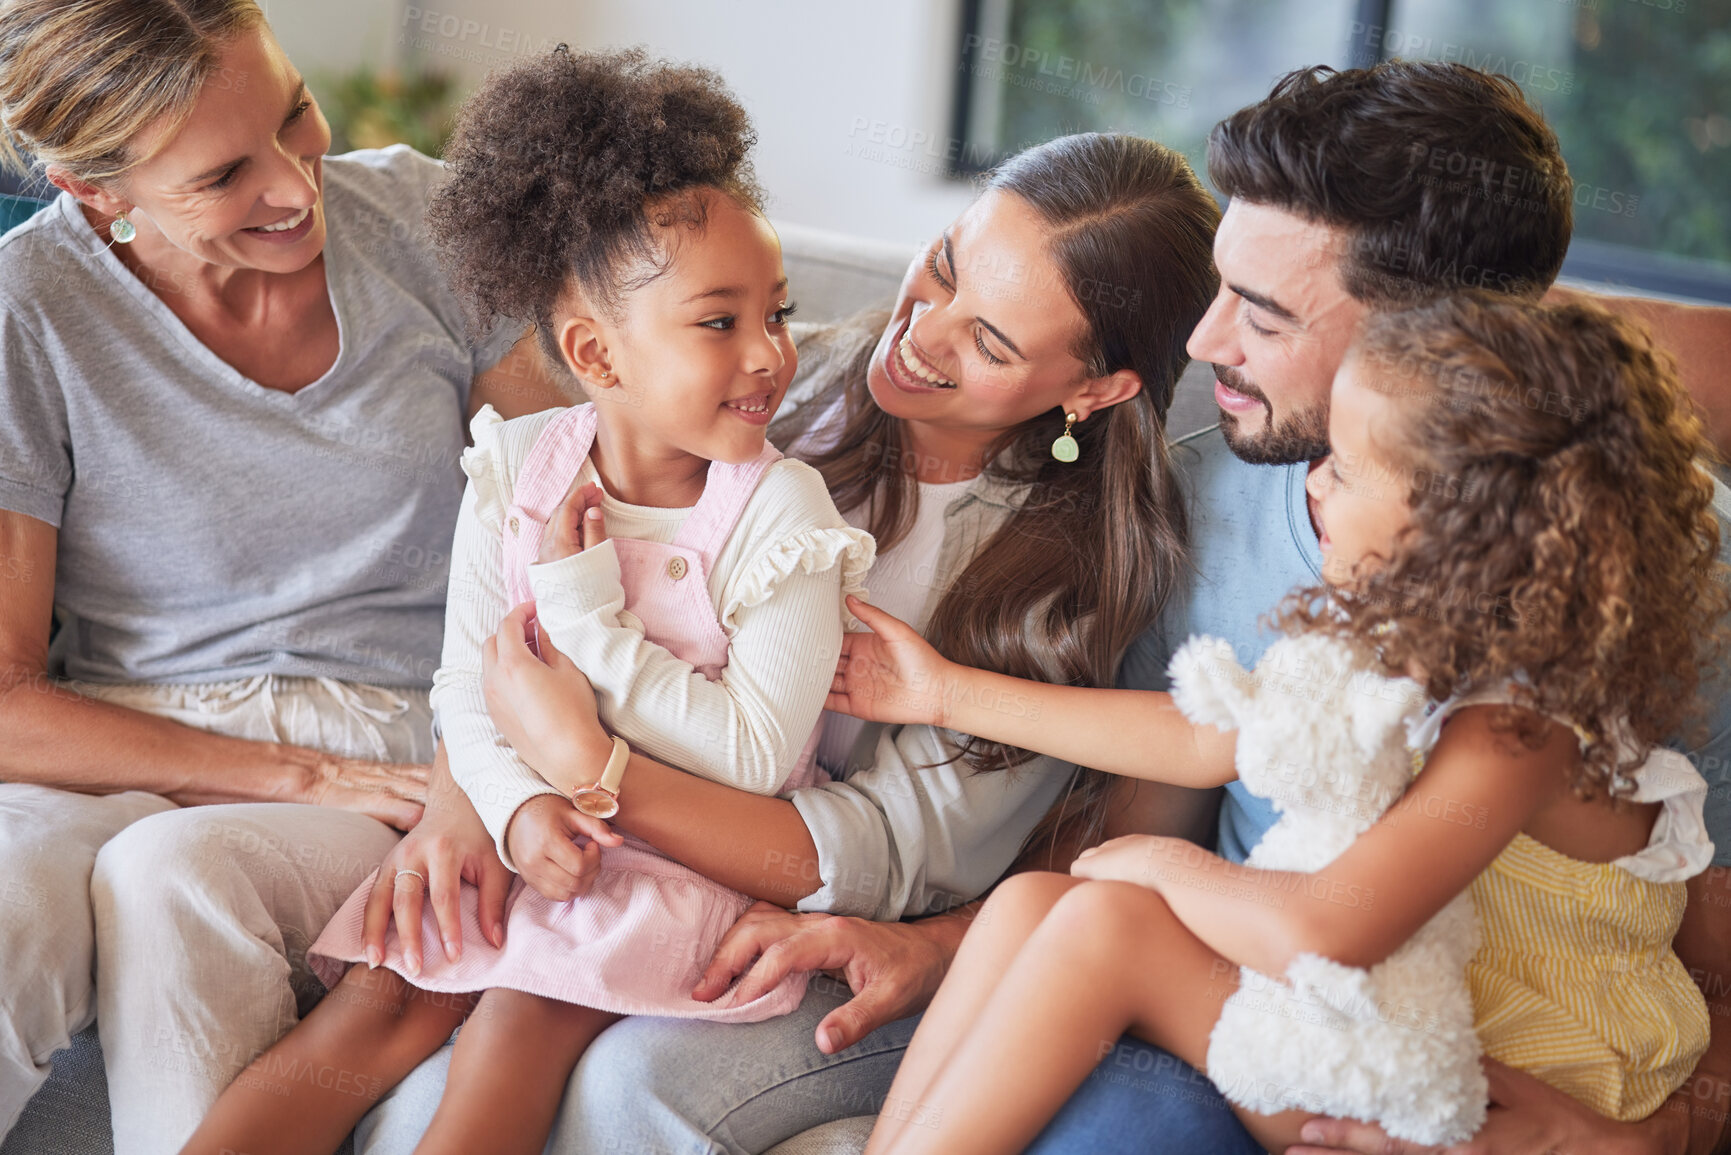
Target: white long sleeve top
{"points": [[777, 584]]}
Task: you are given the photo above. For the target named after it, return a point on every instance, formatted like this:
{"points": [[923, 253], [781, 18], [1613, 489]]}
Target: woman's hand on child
{"points": [[891, 674], [540, 838], [449, 847], [546, 710], [575, 526], [544, 706]]}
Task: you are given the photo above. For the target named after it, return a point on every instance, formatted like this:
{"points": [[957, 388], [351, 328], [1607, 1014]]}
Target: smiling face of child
{"points": [[1359, 491], [698, 358]]}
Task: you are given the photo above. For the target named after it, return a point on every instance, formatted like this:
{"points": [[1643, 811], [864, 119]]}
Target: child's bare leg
{"points": [[311, 1088], [1009, 916], [1110, 957], [508, 1074]]}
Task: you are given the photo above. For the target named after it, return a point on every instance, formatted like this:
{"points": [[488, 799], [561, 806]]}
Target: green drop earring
{"points": [[121, 229], [1065, 449]]}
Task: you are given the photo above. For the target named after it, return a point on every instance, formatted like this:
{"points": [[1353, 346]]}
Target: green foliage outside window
{"points": [[372, 110], [1648, 118], [1639, 91]]}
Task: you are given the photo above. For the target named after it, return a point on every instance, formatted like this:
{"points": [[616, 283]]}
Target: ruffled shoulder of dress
{"points": [[1679, 846], [485, 465], [809, 551], [502, 445]]}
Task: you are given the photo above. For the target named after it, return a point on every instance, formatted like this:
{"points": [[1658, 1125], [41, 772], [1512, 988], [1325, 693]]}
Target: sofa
{"points": [[833, 275]]}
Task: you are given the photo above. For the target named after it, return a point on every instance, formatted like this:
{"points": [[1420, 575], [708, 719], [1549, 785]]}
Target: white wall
{"points": [[335, 35], [851, 98]]}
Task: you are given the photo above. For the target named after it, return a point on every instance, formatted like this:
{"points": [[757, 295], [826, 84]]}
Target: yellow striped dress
{"points": [[1575, 981]]}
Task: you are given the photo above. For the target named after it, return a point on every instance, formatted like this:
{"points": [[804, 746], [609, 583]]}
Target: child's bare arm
{"points": [[894, 675], [1478, 790], [1135, 733]]}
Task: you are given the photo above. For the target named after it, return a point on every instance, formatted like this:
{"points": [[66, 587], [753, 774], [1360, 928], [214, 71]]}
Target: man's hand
{"points": [[893, 968], [1527, 1117]]}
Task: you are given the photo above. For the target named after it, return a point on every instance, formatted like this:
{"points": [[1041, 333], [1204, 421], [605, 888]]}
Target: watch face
{"points": [[595, 802]]}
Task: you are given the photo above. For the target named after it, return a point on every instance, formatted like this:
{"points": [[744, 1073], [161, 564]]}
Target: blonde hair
{"points": [[80, 80]]}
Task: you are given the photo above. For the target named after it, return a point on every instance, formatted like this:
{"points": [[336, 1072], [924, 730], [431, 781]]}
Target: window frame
{"points": [[1641, 271]]}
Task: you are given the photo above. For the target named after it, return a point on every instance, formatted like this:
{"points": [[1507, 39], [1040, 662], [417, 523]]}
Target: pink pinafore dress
{"points": [[637, 943]]}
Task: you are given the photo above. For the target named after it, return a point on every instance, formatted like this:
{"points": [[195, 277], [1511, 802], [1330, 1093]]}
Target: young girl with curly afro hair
{"points": [[652, 538], [1513, 515]]}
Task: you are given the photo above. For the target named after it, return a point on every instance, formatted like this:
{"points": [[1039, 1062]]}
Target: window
{"points": [[1639, 92]]}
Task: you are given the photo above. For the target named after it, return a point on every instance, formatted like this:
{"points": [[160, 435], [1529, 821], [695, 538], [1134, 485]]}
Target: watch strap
{"points": [[614, 772]]}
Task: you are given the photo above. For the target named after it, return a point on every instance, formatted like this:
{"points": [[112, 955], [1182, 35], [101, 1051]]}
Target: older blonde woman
{"points": [[235, 389]]}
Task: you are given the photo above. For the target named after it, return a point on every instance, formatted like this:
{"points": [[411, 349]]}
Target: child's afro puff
{"points": [[553, 166]]}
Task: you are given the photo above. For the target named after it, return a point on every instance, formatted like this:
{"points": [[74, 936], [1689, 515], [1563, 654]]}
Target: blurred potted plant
{"points": [[370, 109]]}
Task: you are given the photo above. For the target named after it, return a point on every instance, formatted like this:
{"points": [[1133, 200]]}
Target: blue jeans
{"points": [[652, 1086], [1142, 1101], [656, 1086]]}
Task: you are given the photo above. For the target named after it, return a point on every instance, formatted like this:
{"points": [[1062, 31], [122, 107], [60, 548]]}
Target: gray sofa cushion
{"points": [[842, 1137], [69, 1115], [1193, 405]]}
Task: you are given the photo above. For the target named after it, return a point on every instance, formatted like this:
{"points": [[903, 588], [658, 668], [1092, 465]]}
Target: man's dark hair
{"points": [[1442, 176]]}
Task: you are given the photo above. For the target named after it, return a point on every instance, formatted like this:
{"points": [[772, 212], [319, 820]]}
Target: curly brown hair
{"points": [[1562, 534], [563, 166]]}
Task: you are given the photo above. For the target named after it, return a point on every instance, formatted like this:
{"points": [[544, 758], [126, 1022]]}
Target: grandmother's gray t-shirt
{"points": [[211, 528]]}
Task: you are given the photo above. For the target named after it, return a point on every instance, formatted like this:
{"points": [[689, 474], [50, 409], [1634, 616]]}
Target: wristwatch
{"points": [[601, 798]]}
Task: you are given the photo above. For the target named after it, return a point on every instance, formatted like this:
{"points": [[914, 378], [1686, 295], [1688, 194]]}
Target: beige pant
{"points": [[194, 921]]}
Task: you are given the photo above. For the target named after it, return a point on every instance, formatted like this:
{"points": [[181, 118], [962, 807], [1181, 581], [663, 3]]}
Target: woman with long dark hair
{"points": [[1002, 436]]}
